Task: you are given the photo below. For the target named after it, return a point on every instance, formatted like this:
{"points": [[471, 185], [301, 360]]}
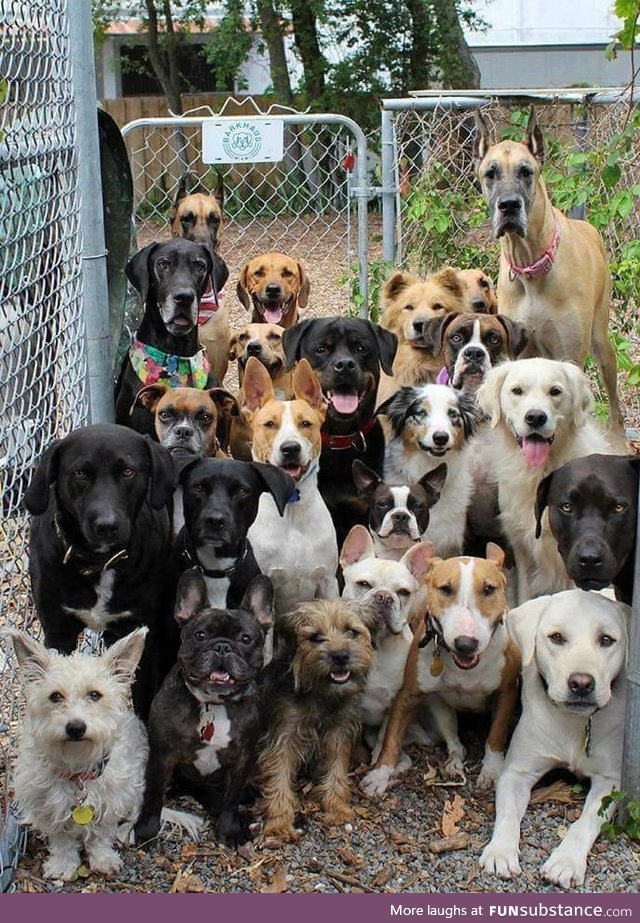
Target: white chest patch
{"points": [[99, 616], [214, 730]]}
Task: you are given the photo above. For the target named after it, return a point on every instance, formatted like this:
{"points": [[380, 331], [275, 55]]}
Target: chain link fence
{"points": [[42, 349]]}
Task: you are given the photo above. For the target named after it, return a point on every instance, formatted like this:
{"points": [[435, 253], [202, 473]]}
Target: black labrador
{"points": [[593, 510], [100, 541], [171, 278]]}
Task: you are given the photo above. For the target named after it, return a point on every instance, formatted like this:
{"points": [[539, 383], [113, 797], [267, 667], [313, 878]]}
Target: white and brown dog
{"points": [[461, 660], [573, 647], [432, 424], [297, 550]]}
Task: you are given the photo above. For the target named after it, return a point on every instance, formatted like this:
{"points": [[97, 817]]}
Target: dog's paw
{"points": [[277, 829], [231, 831], [492, 766], [376, 782], [338, 814], [496, 860], [453, 768], [564, 868], [61, 865], [104, 860], [146, 829]]}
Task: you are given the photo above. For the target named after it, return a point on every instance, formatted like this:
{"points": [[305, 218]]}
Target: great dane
{"points": [[554, 276]]}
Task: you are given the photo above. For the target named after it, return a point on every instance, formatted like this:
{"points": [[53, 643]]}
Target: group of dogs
{"points": [[388, 524]]}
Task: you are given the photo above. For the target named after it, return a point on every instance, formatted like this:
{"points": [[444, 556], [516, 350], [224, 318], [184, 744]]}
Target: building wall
{"points": [[526, 68]]}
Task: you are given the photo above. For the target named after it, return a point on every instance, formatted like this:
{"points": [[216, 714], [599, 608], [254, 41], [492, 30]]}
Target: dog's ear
{"points": [[396, 284], [184, 462], [123, 657], [305, 287], [387, 343], [482, 140], [34, 658], [184, 188], [432, 483], [191, 595], [234, 347], [219, 270], [419, 559], [469, 412], [522, 626], [257, 385], [36, 499], [357, 545], [495, 554], [149, 396], [488, 394], [292, 340], [259, 600], [226, 403], [279, 484], [138, 270], [242, 291], [164, 476], [533, 137], [218, 189], [448, 278], [433, 332], [365, 479], [306, 385], [582, 397], [542, 499], [517, 335], [397, 407]]}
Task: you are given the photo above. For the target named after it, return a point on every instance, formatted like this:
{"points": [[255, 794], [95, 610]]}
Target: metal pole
{"points": [[363, 224], [388, 187], [94, 255], [631, 754]]}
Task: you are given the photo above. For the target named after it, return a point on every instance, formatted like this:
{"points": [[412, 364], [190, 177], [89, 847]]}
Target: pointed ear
{"points": [[150, 396], [488, 394], [522, 626], [533, 137], [225, 402], [580, 391], [357, 545], [138, 270], [164, 477], [306, 385], [259, 600], [279, 484], [448, 278], [124, 656], [517, 335], [36, 498], [257, 385], [365, 479], [433, 482], [33, 658], [292, 342], [184, 188], [433, 332], [396, 284], [305, 287], [482, 140], [387, 347], [241, 288], [218, 190], [495, 553], [542, 499], [419, 559], [191, 595]]}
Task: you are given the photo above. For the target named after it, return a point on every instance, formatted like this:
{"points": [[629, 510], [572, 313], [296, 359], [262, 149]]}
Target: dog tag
{"points": [[83, 814], [436, 665], [206, 732]]}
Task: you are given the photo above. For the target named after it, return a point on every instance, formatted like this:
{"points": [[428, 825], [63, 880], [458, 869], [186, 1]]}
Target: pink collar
{"points": [[545, 262]]}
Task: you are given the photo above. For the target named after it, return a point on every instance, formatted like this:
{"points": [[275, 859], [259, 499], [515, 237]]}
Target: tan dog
{"points": [[274, 286], [479, 293], [190, 420], [458, 659], [554, 276]]}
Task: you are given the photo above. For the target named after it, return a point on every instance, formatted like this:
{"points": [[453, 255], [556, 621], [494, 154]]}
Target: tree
{"points": [[272, 26]]}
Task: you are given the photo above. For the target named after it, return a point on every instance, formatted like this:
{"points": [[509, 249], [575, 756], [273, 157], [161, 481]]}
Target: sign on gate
{"points": [[228, 140]]}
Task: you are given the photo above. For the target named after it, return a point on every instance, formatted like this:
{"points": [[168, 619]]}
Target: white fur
{"points": [[99, 616], [206, 760], [549, 735]]}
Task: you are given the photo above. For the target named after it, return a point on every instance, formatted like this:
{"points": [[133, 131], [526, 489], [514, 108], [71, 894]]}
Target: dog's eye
{"points": [[607, 641], [200, 266], [438, 307], [165, 414], [364, 584], [200, 635], [488, 589], [320, 349], [558, 638], [94, 695], [197, 488], [490, 173], [555, 391], [259, 273], [516, 389], [316, 638], [286, 273], [483, 283], [453, 414], [620, 508], [305, 424], [493, 339], [525, 171], [361, 348], [128, 472], [206, 418], [446, 589], [384, 505], [456, 337], [352, 633], [246, 639], [56, 697], [213, 218], [408, 307], [269, 424], [79, 475], [565, 508], [242, 492], [162, 264], [404, 593]]}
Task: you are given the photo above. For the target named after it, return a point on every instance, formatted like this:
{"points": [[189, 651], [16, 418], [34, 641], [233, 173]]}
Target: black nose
{"points": [[400, 519], [465, 646], [222, 647], [478, 306], [340, 658], [440, 439], [581, 684], [184, 431], [535, 418], [345, 365], [214, 521], [106, 526], [418, 326], [254, 348], [383, 598], [290, 450], [184, 296], [474, 354], [75, 730], [272, 290], [509, 204], [590, 559]]}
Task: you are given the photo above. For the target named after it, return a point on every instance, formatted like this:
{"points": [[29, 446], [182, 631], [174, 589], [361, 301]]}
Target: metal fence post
{"points": [[631, 757], [94, 254], [388, 184]]}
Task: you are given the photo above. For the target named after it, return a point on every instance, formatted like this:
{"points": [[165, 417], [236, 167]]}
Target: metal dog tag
{"points": [[436, 665]]}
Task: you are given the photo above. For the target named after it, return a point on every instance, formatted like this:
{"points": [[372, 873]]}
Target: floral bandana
{"points": [[151, 365]]}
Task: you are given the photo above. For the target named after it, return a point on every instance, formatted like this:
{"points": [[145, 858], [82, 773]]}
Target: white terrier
{"points": [[82, 756]]}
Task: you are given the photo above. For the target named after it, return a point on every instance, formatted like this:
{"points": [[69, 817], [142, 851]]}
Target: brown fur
{"points": [[479, 293], [274, 269], [215, 403]]}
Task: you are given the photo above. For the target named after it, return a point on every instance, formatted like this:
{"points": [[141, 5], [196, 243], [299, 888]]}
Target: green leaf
{"points": [[611, 175]]}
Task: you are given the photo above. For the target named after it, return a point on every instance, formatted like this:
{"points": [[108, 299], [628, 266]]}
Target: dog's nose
{"points": [[222, 647], [440, 439], [75, 730], [340, 658], [345, 365], [106, 526], [214, 521], [478, 306], [272, 290], [535, 418], [184, 296], [183, 431], [465, 646], [590, 559], [383, 598], [418, 326], [474, 354], [290, 450], [581, 684], [400, 518], [507, 204], [254, 348]]}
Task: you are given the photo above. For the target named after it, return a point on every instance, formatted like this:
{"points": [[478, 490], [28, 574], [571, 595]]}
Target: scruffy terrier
{"points": [[80, 766], [313, 694]]}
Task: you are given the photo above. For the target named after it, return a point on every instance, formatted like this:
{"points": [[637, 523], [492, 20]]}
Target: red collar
{"points": [[87, 775], [355, 441], [546, 261]]}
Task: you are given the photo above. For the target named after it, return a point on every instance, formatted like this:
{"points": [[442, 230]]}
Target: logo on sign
{"points": [[242, 141]]}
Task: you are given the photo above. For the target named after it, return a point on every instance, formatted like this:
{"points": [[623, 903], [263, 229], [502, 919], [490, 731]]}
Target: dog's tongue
{"points": [[345, 402], [218, 676], [535, 450], [273, 315]]}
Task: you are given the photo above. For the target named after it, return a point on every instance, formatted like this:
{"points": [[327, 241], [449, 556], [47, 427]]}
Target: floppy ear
{"points": [[542, 499], [533, 137], [279, 484], [219, 270], [365, 479], [522, 626], [225, 402], [517, 335], [191, 595], [488, 394], [234, 347], [482, 140], [397, 407], [184, 462], [418, 559], [36, 499], [34, 658], [123, 657], [257, 385], [495, 554], [306, 385], [305, 287], [218, 190], [433, 332], [292, 340], [396, 284], [580, 391], [241, 288], [164, 477], [258, 599], [469, 412], [150, 396], [433, 482], [387, 347], [357, 545], [138, 270]]}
